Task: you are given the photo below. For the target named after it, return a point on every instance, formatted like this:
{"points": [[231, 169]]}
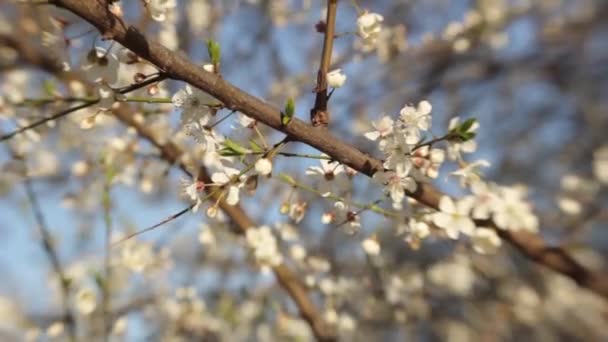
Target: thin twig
{"points": [[65, 112], [319, 115], [49, 249], [168, 219]]}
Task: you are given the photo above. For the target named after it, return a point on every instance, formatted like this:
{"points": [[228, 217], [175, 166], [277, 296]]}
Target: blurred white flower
{"points": [[485, 241], [369, 28], [454, 217], [263, 166], [263, 245], [194, 104], [101, 66], [326, 175], [158, 8], [371, 246], [455, 148], [85, 300], [395, 185], [227, 177], [569, 205], [600, 164], [336, 78], [384, 128], [512, 212]]}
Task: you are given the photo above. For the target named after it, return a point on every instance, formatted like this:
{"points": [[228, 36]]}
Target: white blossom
{"points": [[343, 216], [159, 8], [395, 185], [263, 166], [397, 152], [263, 245], [569, 205], [85, 300], [336, 78], [369, 28], [371, 246], [414, 120], [225, 178], [454, 217], [456, 276], [137, 256], [327, 175], [194, 104], [194, 190], [512, 212], [485, 241], [384, 128], [101, 66], [470, 173], [600, 164], [455, 148]]}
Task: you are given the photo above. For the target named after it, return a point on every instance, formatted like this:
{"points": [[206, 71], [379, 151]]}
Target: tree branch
{"points": [[319, 115]]}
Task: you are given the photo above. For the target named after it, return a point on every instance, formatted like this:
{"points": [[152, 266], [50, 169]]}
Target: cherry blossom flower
{"points": [[485, 241], [136, 256], [101, 66], [428, 161], [85, 300], [454, 217], [395, 185], [158, 9], [226, 178], [344, 216], [470, 173], [414, 120], [371, 246], [397, 153], [455, 276], [263, 166], [600, 164], [384, 128], [512, 212], [264, 246], [336, 78], [369, 28], [194, 104], [327, 174], [194, 190], [455, 148]]}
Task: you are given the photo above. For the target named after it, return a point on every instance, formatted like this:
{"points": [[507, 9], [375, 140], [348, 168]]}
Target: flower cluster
{"points": [[505, 206], [369, 28], [263, 246], [404, 159]]}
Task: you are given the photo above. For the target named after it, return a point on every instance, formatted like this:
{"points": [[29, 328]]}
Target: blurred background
{"points": [[533, 73]]}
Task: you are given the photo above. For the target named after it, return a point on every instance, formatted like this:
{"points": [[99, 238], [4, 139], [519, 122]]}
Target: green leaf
{"points": [[290, 109], [49, 88], [255, 147], [213, 48], [234, 147], [466, 125]]}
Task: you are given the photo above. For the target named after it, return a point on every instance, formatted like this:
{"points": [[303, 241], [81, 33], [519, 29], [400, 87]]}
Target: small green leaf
{"points": [[49, 88], [467, 124], [255, 147], [289, 111], [213, 48], [234, 147]]}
